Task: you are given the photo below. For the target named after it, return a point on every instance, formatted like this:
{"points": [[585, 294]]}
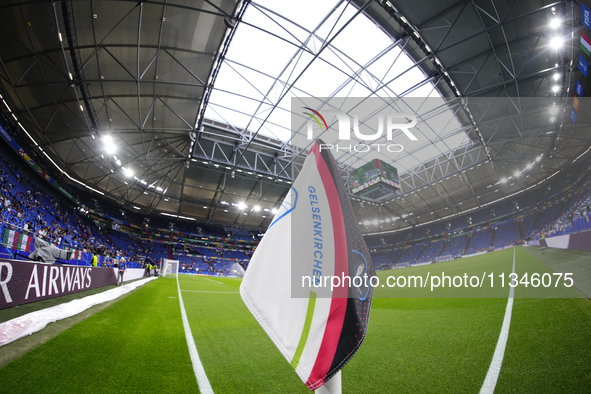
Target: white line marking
{"points": [[202, 381], [221, 283], [490, 382], [203, 291]]}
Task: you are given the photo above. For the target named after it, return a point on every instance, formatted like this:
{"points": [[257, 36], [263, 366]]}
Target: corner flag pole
{"points": [[333, 386], [318, 330]]}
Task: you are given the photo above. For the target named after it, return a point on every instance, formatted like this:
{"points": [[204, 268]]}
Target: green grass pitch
{"points": [[414, 345]]}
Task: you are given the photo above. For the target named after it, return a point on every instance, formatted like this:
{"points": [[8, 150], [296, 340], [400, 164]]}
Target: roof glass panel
{"points": [[280, 51]]}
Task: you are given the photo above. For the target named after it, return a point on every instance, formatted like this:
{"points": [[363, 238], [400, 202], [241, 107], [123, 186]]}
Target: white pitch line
{"points": [[221, 283], [490, 382], [202, 381], [204, 291]]}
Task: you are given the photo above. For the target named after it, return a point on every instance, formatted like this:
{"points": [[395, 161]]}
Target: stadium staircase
{"points": [[445, 243], [537, 219], [521, 232], [561, 210], [138, 242], [106, 236], [467, 245], [389, 255], [399, 256], [423, 248], [494, 235]]}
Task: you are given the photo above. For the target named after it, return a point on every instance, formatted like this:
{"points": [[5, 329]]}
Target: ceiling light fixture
{"points": [[555, 43], [109, 145]]}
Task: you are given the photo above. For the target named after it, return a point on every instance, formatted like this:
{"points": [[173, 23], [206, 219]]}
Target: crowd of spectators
{"points": [[555, 216], [579, 207], [34, 213]]}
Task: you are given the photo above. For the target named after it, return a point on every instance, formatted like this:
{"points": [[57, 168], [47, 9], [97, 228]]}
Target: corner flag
{"points": [[313, 234]]}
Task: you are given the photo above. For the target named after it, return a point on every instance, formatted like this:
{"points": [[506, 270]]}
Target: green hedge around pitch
{"points": [[414, 345]]}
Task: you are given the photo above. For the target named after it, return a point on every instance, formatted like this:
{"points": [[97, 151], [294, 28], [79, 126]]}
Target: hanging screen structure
{"points": [[375, 179]]}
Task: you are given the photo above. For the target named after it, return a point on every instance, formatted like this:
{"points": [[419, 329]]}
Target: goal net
{"points": [[169, 269], [439, 259]]}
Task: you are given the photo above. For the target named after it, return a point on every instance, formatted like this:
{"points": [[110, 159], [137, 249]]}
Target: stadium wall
{"points": [[560, 242], [577, 241], [131, 273], [476, 254], [22, 282]]}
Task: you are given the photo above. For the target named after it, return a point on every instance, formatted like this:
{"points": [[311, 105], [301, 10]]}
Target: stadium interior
{"points": [[173, 129]]}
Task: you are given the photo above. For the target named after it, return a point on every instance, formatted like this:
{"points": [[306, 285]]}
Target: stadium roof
{"points": [[195, 97]]}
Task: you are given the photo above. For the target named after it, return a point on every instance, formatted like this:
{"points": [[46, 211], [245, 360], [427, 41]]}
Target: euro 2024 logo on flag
{"points": [[360, 271], [289, 204], [397, 121]]}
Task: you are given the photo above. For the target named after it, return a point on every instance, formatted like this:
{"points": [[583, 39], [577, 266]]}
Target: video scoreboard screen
{"points": [[373, 176]]}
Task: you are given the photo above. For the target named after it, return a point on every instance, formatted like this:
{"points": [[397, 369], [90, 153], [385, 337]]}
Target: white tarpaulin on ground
{"points": [[36, 321]]}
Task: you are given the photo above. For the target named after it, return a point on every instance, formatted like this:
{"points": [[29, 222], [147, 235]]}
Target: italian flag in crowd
{"points": [[76, 254], [14, 240], [586, 44]]}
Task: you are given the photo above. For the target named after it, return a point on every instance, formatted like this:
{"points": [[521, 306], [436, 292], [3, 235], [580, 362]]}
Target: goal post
{"points": [[447, 257], [169, 269]]}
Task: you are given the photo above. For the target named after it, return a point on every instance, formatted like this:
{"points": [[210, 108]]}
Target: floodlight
{"points": [[554, 23], [555, 43], [109, 145]]}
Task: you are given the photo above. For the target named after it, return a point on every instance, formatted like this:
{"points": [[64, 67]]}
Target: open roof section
{"points": [[146, 70], [280, 52]]}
